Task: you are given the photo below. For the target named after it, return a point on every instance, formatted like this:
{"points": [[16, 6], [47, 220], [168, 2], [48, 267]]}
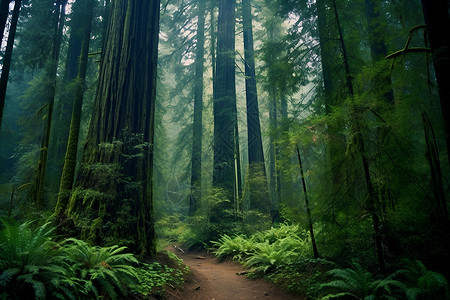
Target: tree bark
{"points": [[225, 101], [437, 20], [254, 140], [196, 172], [114, 187], [8, 55], [51, 73], [70, 160]]}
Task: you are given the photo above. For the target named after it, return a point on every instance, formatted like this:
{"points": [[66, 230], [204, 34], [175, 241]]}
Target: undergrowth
{"points": [[283, 255], [34, 266]]}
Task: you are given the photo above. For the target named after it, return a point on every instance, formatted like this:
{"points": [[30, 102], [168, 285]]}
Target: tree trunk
{"points": [[255, 148], [4, 11], [196, 172], [114, 188], [51, 72], [70, 160], [308, 209], [8, 55], [437, 20], [378, 46], [225, 101]]}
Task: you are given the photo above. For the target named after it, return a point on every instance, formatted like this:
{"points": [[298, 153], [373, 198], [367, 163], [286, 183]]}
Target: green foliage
{"points": [[357, 283], [422, 283], [153, 278], [103, 270], [267, 250], [31, 264], [303, 276]]}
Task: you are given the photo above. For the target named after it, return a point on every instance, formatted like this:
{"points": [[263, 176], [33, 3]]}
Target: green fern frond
{"points": [[7, 275]]}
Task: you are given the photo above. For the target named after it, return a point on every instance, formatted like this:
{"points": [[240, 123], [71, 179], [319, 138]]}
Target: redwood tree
{"points": [[225, 100], [113, 199]]}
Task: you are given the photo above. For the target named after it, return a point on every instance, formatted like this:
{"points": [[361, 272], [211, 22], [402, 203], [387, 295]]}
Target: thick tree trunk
{"points": [[114, 188], [70, 160], [51, 72], [437, 20], [196, 173], [8, 55], [225, 101]]}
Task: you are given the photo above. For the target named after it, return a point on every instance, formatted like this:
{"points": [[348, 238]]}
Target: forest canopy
{"points": [[314, 129]]}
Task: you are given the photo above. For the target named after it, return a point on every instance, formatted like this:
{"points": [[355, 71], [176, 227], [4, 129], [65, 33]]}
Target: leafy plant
{"points": [[422, 283], [357, 283], [31, 264], [101, 270], [237, 247]]}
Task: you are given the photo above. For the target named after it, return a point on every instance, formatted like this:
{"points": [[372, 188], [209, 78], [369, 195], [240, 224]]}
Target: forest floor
{"points": [[212, 279]]}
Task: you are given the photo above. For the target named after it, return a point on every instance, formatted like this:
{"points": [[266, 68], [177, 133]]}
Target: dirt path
{"points": [[216, 280]]}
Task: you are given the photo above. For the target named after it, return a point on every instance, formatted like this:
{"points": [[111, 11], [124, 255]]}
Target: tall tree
{"points": [[378, 46], [196, 173], [114, 188], [8, 55], [225, 100], [255, 148], [59, 16], [68, 173], [437, 20]]}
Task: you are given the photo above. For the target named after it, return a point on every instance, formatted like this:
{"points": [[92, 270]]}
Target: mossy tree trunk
{"points": [[70, 160], [8, 54], [114, 188], [196, 172], [51, 73]]}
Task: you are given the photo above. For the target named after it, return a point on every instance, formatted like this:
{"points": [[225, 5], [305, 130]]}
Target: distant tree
{"points": [[196, 172], [113, 194], [59, 16], [224, 174], [254, 140]]}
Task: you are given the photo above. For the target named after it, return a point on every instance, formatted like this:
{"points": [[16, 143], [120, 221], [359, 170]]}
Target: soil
{"points": [[211, 279]]}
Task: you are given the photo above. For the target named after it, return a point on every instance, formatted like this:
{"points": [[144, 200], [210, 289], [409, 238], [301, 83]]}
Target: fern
{"points": [[358, 283], [422, 283], [104, 269]]}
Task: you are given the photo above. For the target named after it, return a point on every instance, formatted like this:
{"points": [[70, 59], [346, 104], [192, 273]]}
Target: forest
{"points": [[308, 141]]}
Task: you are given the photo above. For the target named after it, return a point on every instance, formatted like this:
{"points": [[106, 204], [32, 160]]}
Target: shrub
{"points": [[31, 264], [357, 283], [100, 270]]}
